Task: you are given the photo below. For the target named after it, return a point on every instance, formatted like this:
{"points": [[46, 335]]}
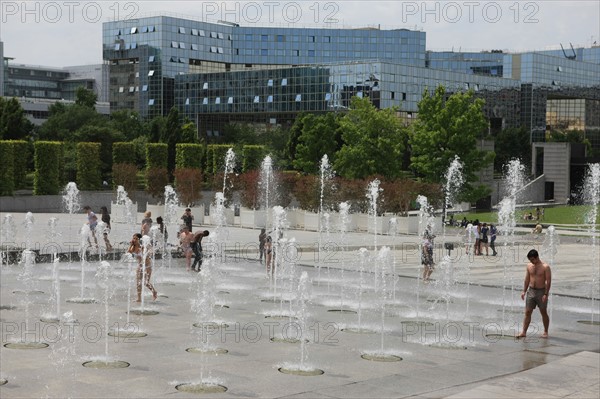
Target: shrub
{"points": [[217, 156], [156, 155], [253, 156], [156, 180], [123, 153], [125, 174], [21, 158], [188, 185], [89, 173], [7, 163], [248, 186], [189, 156], [47, 160]]}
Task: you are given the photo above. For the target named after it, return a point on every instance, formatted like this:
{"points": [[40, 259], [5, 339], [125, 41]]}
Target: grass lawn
{"points": [[554, 215]]}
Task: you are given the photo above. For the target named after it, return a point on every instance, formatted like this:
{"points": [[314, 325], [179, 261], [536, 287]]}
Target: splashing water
{"points": [[129, 214], [591, 196], [230, 161], [28, 223], [515, 181], [7, 236], [373, 191]]}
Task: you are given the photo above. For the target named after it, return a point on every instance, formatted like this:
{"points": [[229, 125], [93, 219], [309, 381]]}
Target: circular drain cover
{"points": [[307, 372], [26, 345], [214, 351], [201, 388], [98, 364], [381, 357]]}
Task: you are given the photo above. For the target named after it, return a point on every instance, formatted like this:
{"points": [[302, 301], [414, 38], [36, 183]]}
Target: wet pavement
{"points": [[449, 338]]}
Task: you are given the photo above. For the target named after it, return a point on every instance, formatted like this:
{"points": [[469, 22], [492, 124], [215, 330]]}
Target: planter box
{"points": [[311, 221], [229, 216], [252, 218], [118, 213]]}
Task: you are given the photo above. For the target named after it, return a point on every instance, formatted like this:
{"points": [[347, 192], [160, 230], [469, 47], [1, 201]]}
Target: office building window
{"points": [[145, 88], [205, 86], [187, 101], [205, 101], [230, 100], [256, 99], [151, 101], [284, 82], [181, 30], [194, 32], [134, 30], [270, 83], [270, 99], [151, 73], [298, 97], [218, 100], [151, 58]]}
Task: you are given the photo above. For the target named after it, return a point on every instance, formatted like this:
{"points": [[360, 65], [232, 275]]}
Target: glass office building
{"points": [[217, 73]]}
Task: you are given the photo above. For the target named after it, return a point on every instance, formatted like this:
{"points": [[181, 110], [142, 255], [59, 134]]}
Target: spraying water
{"points": [[591, 195], [325, 175], [266, 184], [515, 180], [549, 250], [28, 223], [71, 201], [129, 213], [7, 236], [373, 191], [171, 219], [426, 219]]}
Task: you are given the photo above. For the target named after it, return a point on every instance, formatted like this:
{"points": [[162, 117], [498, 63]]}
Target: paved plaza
{"points": [[232, 326]]}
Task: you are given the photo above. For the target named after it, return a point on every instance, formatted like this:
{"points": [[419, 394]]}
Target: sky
{"points": [[63, 33]]}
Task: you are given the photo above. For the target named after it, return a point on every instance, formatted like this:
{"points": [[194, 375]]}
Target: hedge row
{"points": [[89, 175], [7, 167], [48, 160]]}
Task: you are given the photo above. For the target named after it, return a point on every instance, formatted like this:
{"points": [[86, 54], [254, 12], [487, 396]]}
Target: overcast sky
{"points": [[69, 32]]}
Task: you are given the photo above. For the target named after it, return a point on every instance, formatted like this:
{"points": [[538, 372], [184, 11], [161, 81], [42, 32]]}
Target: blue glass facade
{"points": [[221, 73]]}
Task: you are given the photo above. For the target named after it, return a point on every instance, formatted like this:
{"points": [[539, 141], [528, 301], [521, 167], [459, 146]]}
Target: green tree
{"points": [[319, 136], [509, 144], [85, 98], [446, 127], [171, 136], [13, 123], [65, 120], [189, 132], [373, 142], [127, 122]]}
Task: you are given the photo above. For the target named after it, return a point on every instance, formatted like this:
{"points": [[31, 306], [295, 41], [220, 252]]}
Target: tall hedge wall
{"points": [[217, 155], [189, 156], [253, 156], [47, 161], [156, 155], [22, 156], [7, 167], [123, 152], [89, 173]]}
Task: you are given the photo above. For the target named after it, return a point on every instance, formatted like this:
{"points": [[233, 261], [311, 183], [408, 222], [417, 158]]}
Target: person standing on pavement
{"points": [[197, 248], [493, 233], [536, 288]]}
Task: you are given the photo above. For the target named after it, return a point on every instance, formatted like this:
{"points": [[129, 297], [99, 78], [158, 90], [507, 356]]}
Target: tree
{"points": [[127, 122], [319, 136], [373, 142], [446, 127], [65, 120], [13, 123], [171, 136], [85, 98], [509, 144], [189, 132]]}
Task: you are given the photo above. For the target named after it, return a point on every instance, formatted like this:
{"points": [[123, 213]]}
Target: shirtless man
{"points": [[538, 279]]}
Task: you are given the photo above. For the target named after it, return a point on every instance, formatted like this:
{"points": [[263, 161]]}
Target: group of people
{"points": [[535, 292], [481, 237], [191, 243]]}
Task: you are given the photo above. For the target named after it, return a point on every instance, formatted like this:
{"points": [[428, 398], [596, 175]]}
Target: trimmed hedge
{"points": [[253, 156], [217, 157], [47, 161], [123, 152], [7, 166], [21, 151], [156, 155], [189, 155], [89, 173]]}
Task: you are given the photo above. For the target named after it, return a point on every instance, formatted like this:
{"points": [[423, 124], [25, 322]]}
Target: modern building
{"points": [[218, 73], [38, 87]]}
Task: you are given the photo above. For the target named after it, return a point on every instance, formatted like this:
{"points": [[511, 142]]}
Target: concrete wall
{"points": [[556, 168]]}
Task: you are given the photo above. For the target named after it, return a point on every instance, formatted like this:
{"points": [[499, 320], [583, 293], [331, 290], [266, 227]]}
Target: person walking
{"points": [[262, 239], [92, 221], [106, 220], [483, 240], [197, 248], [185, 241], [144, 270], [536, 288]]}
